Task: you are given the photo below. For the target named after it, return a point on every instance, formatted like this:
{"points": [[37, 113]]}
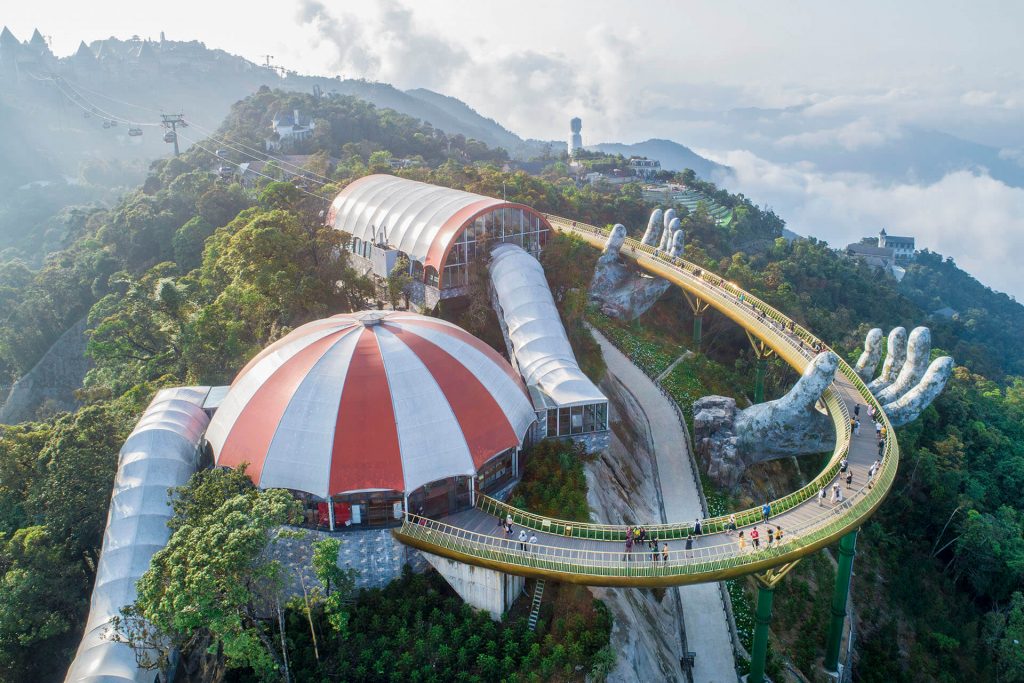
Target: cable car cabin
{"points": [[222, 154], [134, 132], [86, 115], [170, 136], [113, 123], [224, 172], [106, 124]]}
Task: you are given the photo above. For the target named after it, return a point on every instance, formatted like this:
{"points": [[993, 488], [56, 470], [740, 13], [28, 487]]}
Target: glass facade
{"points": [[504, 224], [578, 419]]}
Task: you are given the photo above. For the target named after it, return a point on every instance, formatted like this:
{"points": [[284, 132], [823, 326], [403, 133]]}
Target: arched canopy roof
{"points": [[541, 347], [379, 400], [417, 218]]}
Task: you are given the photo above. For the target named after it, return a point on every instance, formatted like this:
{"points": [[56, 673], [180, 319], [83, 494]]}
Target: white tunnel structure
{"points": [[162, 452], [558, 387]]}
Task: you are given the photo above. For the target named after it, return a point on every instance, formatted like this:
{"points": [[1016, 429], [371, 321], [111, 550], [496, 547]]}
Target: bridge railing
{"points": [[722, 553], [822, 527], [782, 332]]}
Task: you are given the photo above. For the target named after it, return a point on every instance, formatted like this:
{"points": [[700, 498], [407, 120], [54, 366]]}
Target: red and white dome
{"points": [[378, 400]]}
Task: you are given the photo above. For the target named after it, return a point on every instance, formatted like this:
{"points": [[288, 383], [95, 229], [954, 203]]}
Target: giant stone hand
{"points": [[621, 290], [730, 440]]}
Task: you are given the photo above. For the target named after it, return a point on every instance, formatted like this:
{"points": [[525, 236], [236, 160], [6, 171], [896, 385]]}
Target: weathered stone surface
{"points": [[49, 386], [728, 441], [872, 352], [619, 290], [622, 489], [373, 553], [895, 356]]}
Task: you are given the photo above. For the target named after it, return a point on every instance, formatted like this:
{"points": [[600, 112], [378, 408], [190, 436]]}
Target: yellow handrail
{"points": [[791, 342]]}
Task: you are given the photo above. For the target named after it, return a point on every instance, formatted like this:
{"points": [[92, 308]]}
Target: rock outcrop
{"points": [[646, 635], [50, 386], [729, 440]]}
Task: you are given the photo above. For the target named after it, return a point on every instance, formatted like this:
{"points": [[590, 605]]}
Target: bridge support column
{"points": [[761, 352], [486, 589], [762, 363], [759, 651], [847, 550], [698, 307]]}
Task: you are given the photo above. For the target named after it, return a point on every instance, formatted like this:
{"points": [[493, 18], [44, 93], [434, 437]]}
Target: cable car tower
{"points": [[173, 121]]}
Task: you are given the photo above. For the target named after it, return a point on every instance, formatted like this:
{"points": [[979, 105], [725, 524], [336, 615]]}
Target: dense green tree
{"points": [[213, 576]]}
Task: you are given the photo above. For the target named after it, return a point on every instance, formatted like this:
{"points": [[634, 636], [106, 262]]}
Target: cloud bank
{"points": [[971, 217]]}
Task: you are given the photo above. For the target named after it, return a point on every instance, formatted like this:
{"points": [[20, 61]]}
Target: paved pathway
{"points": [[707, 628]]}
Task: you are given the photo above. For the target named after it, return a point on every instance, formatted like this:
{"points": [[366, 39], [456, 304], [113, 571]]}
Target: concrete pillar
{"points": [[330, 511], [762, 363], [759, 651], [486, 589], [847, 549]]}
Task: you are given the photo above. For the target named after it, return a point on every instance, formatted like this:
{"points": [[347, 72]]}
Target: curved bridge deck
{"points": [[595, 554]]}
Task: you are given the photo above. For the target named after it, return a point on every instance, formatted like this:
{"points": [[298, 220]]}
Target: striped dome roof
{"points": [[378, 400]]}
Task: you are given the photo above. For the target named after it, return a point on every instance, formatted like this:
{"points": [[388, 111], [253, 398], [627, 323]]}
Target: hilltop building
{"points": [[439, 230], [902, 247], [289, 129], [887, 253], [645, 168]]}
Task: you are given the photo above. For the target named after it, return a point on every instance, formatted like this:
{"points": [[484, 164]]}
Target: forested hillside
{"points": [[189, 275]]}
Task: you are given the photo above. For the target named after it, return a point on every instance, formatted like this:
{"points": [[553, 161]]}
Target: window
{"points": [[552, 421]]}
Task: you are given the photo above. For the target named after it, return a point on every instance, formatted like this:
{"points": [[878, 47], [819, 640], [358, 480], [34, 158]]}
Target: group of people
{"points": [[526, 541], [773, 536], [636, 538]]}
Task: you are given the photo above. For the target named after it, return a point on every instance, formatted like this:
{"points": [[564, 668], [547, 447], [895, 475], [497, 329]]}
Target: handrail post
{"points": [[847, 550]]}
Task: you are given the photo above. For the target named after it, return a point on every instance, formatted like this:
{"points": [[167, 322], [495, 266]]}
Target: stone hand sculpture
{"points": [[620, 290], [908, 383], [729, 440]]}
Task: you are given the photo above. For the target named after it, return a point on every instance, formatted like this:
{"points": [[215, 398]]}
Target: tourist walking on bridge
{"points": [[629, 547], [742, 543], [533, 542], [849, 479], [766, 511], [755, 538], [522, 539], [821, 497]]}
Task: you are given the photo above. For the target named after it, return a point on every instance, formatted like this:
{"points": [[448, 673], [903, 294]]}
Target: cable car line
{"points": [[195, 143]]}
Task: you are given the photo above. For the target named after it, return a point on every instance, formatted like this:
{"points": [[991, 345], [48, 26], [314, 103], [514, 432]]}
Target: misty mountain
{"points": [[911, 154], [672, 155]]}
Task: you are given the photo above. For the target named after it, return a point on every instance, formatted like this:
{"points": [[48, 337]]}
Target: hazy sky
{"points": [[856, 75]]}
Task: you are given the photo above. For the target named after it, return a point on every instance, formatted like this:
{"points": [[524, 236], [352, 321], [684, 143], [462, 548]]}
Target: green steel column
{"points": [[762, 363], [847, 548], [765, 595], [697, 318]]}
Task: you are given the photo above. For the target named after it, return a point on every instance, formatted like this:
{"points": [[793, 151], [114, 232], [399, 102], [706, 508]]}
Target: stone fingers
{"points": [[896, 355], [919, 348], [615, 240], [653, 232], [872, 352], [909, 406]]}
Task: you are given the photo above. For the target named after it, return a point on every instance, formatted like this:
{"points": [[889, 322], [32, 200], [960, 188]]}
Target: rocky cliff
{"points": [[647, 634]]}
